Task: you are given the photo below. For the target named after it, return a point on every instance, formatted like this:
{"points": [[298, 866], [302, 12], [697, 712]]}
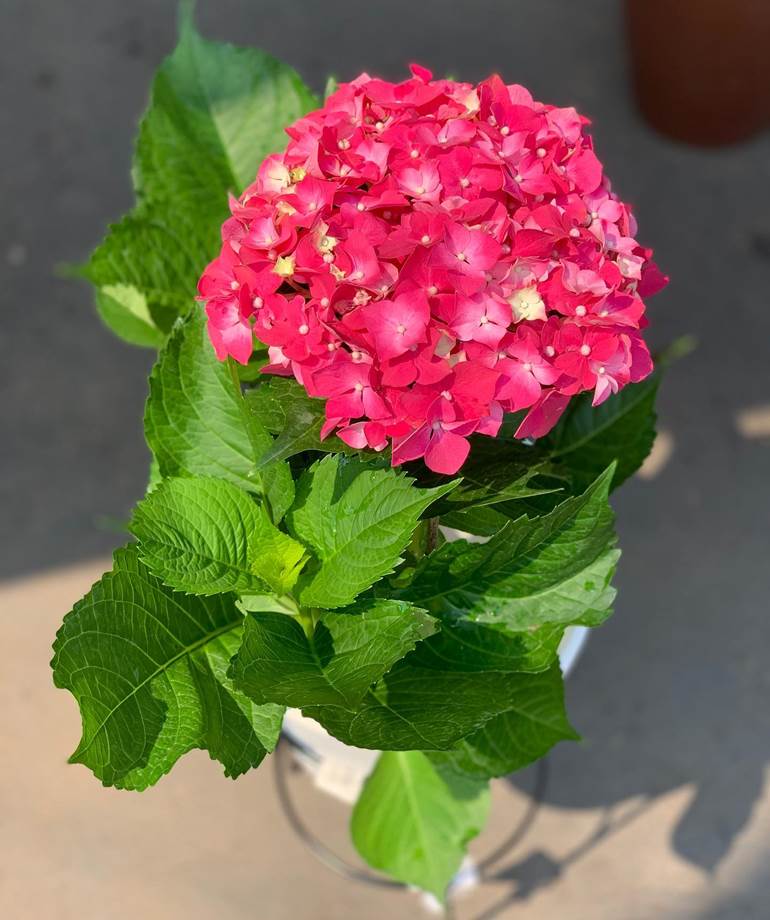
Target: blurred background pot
{"points": [[701, 68]]}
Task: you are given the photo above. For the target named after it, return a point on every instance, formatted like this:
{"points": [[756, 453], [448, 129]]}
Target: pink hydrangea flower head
{"points": [[428, 255]]}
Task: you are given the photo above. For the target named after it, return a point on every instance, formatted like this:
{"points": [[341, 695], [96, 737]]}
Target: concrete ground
{"points": [[663, 810]]}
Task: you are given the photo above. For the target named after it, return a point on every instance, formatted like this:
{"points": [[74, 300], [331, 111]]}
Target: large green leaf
{"points": [[588, 438], [148, 669], [215, 112], [344, 655], [463, 645], [520, 735], [357, 520], [197, 424], [552, 569], [451, 684], [413, 822], [420, 706], [206, 536]]}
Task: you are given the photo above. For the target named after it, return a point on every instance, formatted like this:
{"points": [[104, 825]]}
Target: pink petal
{"points": [[446, 452]]}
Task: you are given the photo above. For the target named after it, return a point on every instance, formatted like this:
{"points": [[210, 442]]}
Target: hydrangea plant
{"points": [[424, 313]]}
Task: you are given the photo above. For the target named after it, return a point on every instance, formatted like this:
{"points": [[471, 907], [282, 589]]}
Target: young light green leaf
{"points": [[588, 438], [332, 85], [157, 255], [519, 736], [551, 569], [195, 424], [206, 536], [347, 652], [215, 112], [414, 823], [124, 309], [357, 520], [147, 668]]}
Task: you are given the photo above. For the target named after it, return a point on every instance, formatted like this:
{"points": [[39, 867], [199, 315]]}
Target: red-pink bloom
{"points": [[428, 255]]}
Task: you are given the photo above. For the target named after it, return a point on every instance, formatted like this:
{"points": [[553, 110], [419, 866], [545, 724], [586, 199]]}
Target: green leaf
{"points": [[124, 309], [551, 569], [284, 408], [451, 684], [148, 670], [622, 429], [519, 736], [484, 521], [414, 823], [206, 536], [332, 85], [158, 255], [196, 423], [154, 478], [215, 112], [357, 520], [496, 471], [345, 654], [462, 645]]}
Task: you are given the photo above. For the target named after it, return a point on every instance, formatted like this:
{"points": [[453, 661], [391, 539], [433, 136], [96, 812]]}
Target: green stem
{"points": [[308, 617], [424, 539]]}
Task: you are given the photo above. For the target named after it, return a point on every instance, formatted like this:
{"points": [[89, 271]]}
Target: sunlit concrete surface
{"points": [[753, 422], [662, 449]]}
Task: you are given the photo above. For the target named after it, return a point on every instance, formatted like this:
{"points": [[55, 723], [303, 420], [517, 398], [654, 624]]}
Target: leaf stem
{"points": [[308, 617]]}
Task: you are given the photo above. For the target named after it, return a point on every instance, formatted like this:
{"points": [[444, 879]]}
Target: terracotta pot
{"points": [[701, 68]]}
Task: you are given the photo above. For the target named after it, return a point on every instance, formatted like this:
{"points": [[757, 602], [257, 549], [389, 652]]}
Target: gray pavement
{"points": [[671, 696]]}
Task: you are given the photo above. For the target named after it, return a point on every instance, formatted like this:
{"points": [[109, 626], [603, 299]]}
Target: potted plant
{"points": [[424, 313], [700, 67]]}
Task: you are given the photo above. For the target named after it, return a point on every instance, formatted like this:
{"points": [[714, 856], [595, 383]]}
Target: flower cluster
{"points": [[428, 255]]}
